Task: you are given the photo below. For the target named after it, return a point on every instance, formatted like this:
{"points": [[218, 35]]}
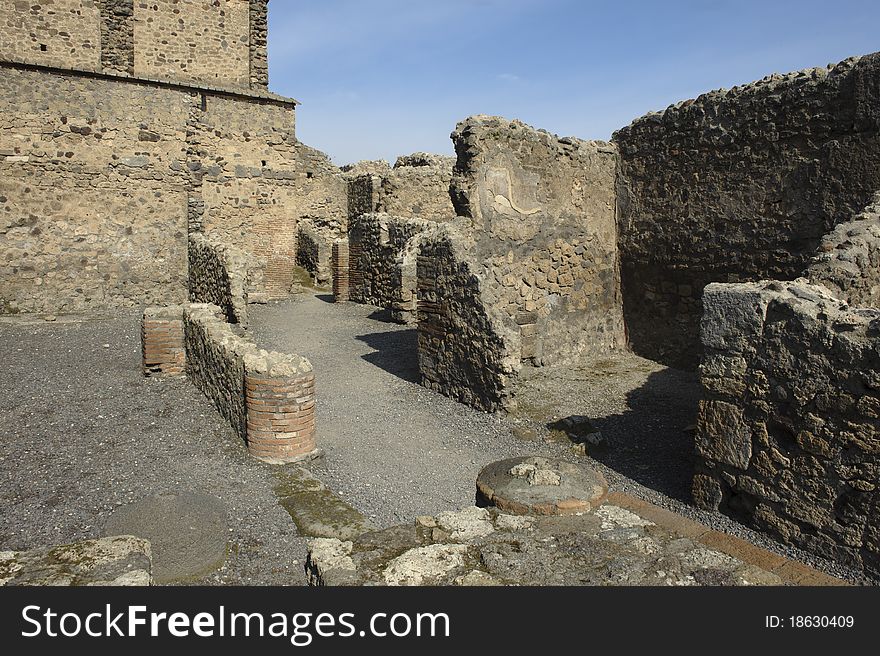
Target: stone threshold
{"points": [[790, 571]]}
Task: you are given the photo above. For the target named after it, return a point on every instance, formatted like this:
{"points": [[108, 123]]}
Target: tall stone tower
{"points": [[220, 43]]}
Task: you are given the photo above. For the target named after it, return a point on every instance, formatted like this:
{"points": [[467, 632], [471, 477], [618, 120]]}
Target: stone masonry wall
{"points": [[314, 251], [93, 193], [417, 186], [205, 41], [382, 268], [848, 262], [53, 32], [545, 234], [787, 436], [466, 349], [220, 274], [267, 397], [739, 185], [256, 182], [117, 36], [259, 43]]}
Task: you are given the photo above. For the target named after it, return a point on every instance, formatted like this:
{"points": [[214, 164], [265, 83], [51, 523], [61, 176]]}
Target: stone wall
{"points": [[314, 251], [382, 262], [53, 32], [220, 274], [259, 43], [545, 234], [256, 182], [467, 350], [787, 437], [267, 397], [196, 41], [848, 262], [739, 185], [93, 193], [117, 36], [417, 186]]}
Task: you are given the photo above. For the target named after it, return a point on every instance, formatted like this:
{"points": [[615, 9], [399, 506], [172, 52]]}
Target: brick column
{"points": [[280, 416], [162, 342], [340, 270]]}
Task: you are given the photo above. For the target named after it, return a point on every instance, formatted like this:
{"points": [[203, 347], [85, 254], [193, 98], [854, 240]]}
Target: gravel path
{"points": [[396, 450], [84, 432]]}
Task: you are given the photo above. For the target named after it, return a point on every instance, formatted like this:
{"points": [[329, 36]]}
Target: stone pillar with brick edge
{"points": [[162, 341], [280, 401], [340, 270]]}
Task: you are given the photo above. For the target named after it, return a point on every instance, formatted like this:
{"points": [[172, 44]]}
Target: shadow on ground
{"points": [[652, 442], [395, 352]]}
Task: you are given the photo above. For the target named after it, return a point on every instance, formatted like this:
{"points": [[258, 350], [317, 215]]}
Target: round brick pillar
{"points": [[280, 417]]}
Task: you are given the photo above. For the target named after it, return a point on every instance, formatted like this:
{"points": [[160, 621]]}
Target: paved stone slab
{"points": [[479, 546], [117, 561], [533, 485], [187, 531]]}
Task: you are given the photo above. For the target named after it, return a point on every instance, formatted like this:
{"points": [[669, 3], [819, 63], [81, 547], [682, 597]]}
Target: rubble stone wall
{"points": [[63, 33], [848, 261], [545, 234], [256, 182], [267, 397], [788, 436], [382, 262], [314, 251], [738, 185], [93, 193], [220, 274], [466, 349], [193, 41]]}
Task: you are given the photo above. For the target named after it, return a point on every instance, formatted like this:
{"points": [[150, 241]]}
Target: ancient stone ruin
{"points": [[145, 164]]}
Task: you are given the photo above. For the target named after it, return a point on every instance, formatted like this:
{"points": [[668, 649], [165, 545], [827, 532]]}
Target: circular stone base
{"points": [[187, 533], [532, 485]]}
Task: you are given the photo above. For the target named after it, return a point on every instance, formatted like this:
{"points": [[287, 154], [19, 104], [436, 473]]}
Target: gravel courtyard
{"points": [[85, 433]]}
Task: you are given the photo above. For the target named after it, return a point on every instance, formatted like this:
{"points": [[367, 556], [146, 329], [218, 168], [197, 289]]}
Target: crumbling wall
{"points": [[314, 251], [63, 33], [417, 186], [787, 437], [195, 41], [93, 193], [256, 181], [382, 262], [220, 274], [545, 234], [848, 261], [739, 185], [467, 350]]}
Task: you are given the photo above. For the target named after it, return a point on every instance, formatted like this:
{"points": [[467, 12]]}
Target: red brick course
{"points": [[162, 347], [280, 416], [340, 270]]}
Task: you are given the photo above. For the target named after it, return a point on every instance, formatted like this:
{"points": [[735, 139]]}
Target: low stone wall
{"points": [[382, 262], [162, 342], [848, 262], [314, 252], [788, 436], [466, 350], [267, 397], [221, 274]]}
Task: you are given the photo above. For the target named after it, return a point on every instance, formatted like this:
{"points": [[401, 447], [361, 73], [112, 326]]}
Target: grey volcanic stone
{"points": [[540, 486], [188, 532], [116, 561]]}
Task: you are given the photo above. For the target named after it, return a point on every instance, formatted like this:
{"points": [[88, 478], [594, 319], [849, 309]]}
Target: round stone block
{"points": [[532, 485], [187, 533]]}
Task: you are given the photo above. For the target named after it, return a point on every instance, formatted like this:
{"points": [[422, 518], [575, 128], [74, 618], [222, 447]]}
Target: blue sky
{"points": [[381, 78]]}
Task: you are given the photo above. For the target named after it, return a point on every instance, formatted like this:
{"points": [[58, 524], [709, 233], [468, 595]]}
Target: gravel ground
{"points": [[84, 432], [396, 450]]}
